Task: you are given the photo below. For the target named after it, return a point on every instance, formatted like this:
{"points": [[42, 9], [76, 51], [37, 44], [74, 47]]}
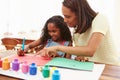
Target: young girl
{"points": [[55, 32]]}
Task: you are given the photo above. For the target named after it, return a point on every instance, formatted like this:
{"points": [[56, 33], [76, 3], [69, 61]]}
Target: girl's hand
{"points": [[48, 52], [20, 52], [26, 48]]}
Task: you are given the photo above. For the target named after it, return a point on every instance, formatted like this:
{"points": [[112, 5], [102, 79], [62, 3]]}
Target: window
{"points": [[26, 15], [30, 15]]}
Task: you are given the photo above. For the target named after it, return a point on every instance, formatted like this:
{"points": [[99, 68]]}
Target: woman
{"points": [[92, 37]]}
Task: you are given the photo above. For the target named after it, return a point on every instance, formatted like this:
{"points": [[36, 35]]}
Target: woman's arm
{"points": [[68, 55], [87, 50]]}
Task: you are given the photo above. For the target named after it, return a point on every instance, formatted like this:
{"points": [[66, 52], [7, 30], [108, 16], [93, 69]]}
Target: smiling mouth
{"points": [[53, 38]]}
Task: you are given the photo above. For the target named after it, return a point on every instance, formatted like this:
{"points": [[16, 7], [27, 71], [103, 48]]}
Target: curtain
{"points": [[26, 15]]}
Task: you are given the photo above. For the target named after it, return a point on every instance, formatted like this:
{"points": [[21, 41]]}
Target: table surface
{"points": [[110, 72]]}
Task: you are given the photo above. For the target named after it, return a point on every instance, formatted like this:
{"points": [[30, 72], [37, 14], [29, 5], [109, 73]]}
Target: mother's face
{"points": [[69, 17]]}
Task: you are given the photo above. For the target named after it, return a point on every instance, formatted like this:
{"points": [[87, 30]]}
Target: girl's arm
{"points": [[32, 45]]}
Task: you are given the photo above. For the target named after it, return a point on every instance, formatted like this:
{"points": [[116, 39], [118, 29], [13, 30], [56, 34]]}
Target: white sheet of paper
{"points": [[66, 74], [83, 75]]}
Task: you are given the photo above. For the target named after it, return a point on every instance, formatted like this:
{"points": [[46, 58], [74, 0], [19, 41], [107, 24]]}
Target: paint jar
{"points": [[33, 69], [0, 63], [56, 75], [6, 64], [46, 71], [15, 65], [25, 67]]}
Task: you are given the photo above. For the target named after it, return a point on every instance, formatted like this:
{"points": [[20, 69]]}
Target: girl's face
{"points": [[54, 32], [69, 17]]}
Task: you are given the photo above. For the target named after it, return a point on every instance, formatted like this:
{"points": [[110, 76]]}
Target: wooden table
{"points": [[26, 42], [110, 73], [29, 37]]}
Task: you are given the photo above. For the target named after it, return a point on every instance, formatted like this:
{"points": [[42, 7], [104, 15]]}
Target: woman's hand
{"points": [[81, 58]]}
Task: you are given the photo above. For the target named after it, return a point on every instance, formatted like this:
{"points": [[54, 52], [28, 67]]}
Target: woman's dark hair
{"points": [[59, 23], [83, 12]]}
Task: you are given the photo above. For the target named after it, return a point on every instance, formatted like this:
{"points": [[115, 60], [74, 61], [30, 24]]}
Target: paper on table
{"points": [[71, 64], [38, 60], [68, 74], [7, 53]]}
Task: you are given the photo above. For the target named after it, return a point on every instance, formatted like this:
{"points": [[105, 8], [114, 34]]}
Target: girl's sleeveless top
{"points": [[50, 42]]}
